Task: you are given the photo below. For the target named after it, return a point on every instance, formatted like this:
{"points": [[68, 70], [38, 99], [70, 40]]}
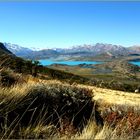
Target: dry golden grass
{"points": [[120, 111], [113, 96], [118, 108]]}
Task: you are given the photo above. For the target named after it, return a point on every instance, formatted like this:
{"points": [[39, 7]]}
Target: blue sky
{"points": [[64, 24]]}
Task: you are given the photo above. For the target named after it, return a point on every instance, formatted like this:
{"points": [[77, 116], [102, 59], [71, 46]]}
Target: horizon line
{"points": [[76, 45]]}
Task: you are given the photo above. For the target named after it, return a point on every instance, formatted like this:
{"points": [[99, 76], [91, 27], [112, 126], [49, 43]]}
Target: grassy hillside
{"points": [[19, 65], [35, 108], [118, 74]]}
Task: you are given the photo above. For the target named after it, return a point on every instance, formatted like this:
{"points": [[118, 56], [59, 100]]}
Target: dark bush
{"points": [[53, 104], [9, 78], [59, 102], [6, 78]]}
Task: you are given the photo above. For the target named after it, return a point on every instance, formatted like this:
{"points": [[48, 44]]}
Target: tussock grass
{"points": [[51, 108], [43, 109], [9, 78]]}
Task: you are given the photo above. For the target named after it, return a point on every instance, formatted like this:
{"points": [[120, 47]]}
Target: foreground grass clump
{"points": [[120, 122], [50, 108], [9, 78]]}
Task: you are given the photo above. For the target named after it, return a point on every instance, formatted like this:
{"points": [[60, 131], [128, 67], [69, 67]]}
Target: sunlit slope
{"points": [[102, 95]]}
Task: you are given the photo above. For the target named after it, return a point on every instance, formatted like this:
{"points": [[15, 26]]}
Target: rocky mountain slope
{"points": [[4, 50], [18, 50], [99, 48], [134, 49], [75, 51]]}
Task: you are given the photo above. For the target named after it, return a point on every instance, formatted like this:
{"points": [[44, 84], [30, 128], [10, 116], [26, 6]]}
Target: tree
{"points": [[29, 65], [36, 63], [19, 64], [35, 68]]}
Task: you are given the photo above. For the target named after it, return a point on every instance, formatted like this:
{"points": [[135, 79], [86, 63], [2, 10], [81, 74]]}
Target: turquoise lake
{"points": [[135, 62], [72, 63]]}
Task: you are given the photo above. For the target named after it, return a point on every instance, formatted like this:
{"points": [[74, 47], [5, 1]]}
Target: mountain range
{"points": [[97, 50]]}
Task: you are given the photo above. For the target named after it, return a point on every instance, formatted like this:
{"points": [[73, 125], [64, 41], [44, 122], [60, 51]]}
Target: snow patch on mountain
{"points": [[18, 50]]}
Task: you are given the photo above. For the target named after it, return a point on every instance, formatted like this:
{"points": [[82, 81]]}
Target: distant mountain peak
{"points": [[17, 49], [35, 48], [4, 50], [134, 49]]}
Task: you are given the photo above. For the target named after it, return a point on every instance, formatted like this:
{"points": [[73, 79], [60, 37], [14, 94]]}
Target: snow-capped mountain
{"points": [[134, 49], [18, 50], [74, 51], [35, 49], [96, 49], [32, 53], [4, 50]]}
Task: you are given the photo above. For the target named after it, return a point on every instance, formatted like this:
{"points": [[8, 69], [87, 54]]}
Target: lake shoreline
{"points": [[46, 62]]}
